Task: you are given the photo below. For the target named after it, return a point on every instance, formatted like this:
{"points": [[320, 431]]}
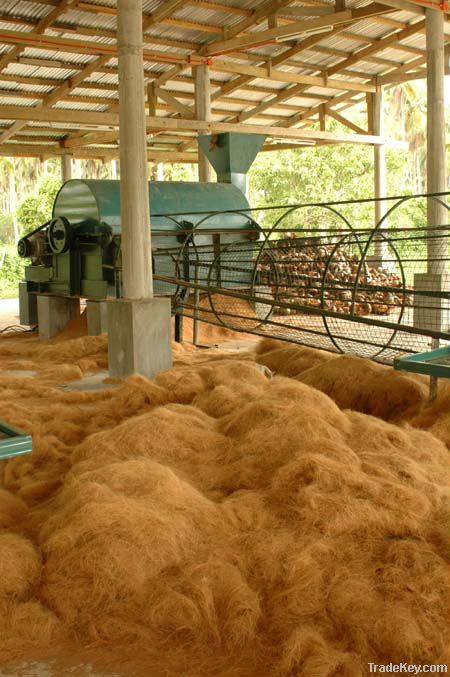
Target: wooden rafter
{"points": [[172, 124], [343, 120], [296, 28], [289, 93], [54, 96], [252, 71], [40, 28]]}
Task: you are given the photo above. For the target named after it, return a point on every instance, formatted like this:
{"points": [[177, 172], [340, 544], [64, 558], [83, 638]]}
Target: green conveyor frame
{"points": [[13, 442], [432, 363]]}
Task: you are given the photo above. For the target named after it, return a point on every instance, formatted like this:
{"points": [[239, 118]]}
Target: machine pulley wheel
{"points": [[60, 235], [24, 248]]}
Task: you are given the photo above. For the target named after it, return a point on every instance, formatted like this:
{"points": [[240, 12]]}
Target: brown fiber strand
{"points": [[219, 523]]}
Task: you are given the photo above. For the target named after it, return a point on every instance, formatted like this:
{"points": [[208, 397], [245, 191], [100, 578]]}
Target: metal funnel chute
{"points": [[231, 155]]}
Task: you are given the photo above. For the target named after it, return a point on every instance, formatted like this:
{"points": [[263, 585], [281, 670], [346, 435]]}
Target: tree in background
{"points": [[31, 213], [36, 208], [7, 229], [329, 173], [408, 121]]}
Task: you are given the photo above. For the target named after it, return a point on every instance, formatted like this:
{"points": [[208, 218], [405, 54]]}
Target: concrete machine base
{"points": [[97, 317], [54, 312], [431, 312], [139, 337], [27, 306]]}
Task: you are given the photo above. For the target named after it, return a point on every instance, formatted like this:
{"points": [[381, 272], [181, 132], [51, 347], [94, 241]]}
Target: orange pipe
{"points": [[438, 5]]}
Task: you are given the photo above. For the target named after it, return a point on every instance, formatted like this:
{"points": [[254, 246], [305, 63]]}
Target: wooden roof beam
{"points": [[41, 26], [103, 120], [256, 16], [378, 45], [216, 7], [283, 76], [294, 29], [48, 150], [314, 110], [301, 46], [52, 98], [345, 121]]}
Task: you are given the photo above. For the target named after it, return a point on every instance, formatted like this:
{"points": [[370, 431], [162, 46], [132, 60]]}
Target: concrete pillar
{"points": [[431, 308], [97, 317], [436, 153], [160, 171], [66, 167], [139, 337], [54, 312], [203, 112], [379, 166], [114, 170], [135, 217], [379, 155]]}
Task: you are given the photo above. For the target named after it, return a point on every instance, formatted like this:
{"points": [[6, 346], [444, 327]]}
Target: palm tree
{"points": [[408, 103]]}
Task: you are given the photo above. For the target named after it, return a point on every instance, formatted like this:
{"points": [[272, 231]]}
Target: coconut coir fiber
{"points": [[217, 522]]}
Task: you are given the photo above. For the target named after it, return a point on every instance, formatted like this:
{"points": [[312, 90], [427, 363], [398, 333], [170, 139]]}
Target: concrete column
{"points": [[114, 170], [203, 112], [54, 312], [436, 154], [160, 171], [379, 155], [66, 167], [431, 308], [139, 340], [379, 167], [138, 324], [135, 216]]}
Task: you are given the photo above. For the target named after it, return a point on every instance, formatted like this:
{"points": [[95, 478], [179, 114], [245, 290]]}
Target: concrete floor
{"points": [[90, 382], [9, 313]]}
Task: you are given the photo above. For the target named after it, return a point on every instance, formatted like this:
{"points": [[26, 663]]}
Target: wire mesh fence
{"points": [[310, 274]]}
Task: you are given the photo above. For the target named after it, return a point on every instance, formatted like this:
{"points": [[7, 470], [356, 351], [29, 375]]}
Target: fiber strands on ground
{"points": [[219, 523]]}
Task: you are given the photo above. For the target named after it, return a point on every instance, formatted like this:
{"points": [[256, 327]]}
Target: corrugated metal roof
{"points": [[26, 8], [183, 32]]}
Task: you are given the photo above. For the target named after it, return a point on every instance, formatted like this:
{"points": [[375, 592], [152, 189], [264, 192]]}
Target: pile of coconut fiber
{"points": [[215, 522]]}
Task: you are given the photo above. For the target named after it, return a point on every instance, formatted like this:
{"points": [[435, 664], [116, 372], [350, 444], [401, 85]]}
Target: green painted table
{"points": [[13, 442], [434, 363]]}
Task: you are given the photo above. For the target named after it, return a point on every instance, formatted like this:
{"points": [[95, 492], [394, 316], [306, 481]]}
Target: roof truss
{"points": [[280, 67]]}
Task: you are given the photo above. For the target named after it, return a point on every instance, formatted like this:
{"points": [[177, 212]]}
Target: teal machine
{"points": [[13, 442], [77, 253]]}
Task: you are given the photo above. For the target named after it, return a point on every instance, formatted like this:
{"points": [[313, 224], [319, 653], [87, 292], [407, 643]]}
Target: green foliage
{"points": [[32, 212], [11, 271], [179, 172], [312, 175], [36, 208], [333, 173], [6, 229]]}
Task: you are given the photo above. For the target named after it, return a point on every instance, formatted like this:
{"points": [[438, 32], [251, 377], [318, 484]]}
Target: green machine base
{"points": [[13, 442]]}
